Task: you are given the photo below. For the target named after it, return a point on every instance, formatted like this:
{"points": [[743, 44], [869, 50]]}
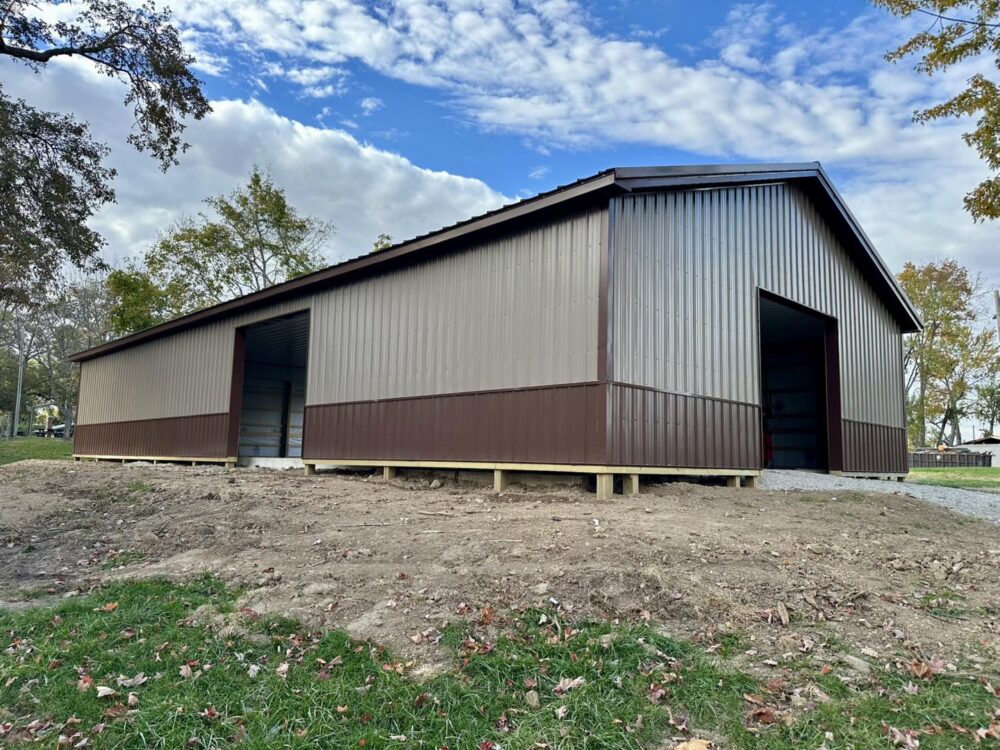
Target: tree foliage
{"points": [[52, 174], [946, 361], [138, 302], [253, 240], [961, 30], [38, 339]]}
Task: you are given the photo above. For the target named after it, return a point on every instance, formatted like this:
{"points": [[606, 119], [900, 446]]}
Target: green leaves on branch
{"points": [[136, 45], [254, 240], [53, 180], [962, 30], [52, 174]]}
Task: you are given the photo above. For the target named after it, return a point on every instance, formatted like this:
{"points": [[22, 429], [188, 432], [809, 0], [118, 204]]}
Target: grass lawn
{"points": [[127, 666], [18, 449], [971, 479]]}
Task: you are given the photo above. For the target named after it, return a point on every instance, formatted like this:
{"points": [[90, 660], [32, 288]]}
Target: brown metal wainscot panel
{"points": [[547, 424], [199, 436]]}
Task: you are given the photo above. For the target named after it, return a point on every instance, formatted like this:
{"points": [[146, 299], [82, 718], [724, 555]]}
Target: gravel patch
{"points": [[979, 504]]}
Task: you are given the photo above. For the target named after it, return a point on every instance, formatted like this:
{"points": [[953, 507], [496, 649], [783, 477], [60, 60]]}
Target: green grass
{"points": [[122, 558], [19, 449], [319, 690], [970, 479]]}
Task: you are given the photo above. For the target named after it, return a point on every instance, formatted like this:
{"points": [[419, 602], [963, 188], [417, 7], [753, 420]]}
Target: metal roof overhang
{"points": [[602, 185]]}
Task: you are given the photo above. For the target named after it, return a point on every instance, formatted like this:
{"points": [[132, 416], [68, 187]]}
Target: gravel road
{"points": [[980, 504]]}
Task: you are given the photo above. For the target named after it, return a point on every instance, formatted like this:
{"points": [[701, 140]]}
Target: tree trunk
{"points": [[21, 366], [922, 407]]}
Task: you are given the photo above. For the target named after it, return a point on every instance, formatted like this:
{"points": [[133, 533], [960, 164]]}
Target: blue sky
{"points": [[402, 116]]}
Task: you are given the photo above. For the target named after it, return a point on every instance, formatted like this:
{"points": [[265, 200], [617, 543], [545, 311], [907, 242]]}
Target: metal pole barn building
{"points": [[710, 320]]}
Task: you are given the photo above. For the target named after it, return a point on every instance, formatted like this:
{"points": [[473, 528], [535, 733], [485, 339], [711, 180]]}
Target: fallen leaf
{"points": [[84, 683], [764, 715], [109, 607], [561, 712], [133, 700], [103, 691], [185, 671], [486, 616], [695, 745], [783, 614], [139, 679], [566, 684], [282, 670]]}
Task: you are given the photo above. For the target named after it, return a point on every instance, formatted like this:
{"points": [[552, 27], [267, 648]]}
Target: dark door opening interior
{"points": [[274, 387], [793, 387]]}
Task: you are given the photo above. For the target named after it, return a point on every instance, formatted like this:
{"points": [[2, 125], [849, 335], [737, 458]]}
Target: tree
{"points": [[74, 318], [51, 171], [255, 239], [961, 30], [382, 242], [137, 301], [987, 407], [945, 361]]}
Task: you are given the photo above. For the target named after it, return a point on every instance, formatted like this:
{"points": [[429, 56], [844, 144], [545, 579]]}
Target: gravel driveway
{"points": [[980, 504]]}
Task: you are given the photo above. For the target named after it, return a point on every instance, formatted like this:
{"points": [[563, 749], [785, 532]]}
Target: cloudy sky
{"points": [[401, 117]]}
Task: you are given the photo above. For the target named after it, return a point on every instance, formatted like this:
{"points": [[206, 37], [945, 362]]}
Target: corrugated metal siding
{"points": [[685, 268], [651, 428], [202, 436], [181, 375], [512, 312], [557, 424], [874, 448]]}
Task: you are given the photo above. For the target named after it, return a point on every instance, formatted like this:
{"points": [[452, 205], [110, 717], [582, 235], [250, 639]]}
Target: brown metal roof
{"points": [[600, 185]]}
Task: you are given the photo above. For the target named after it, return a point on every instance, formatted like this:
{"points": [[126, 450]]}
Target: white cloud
{"points": [[370, 104], [327, 173], [539, 173], [764, 90]]}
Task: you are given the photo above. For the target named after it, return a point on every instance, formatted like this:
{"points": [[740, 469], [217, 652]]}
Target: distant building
{"points": [[988, 444]]}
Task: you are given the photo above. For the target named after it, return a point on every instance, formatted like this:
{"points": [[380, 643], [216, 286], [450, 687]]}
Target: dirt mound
{"points": [[777, 575]]}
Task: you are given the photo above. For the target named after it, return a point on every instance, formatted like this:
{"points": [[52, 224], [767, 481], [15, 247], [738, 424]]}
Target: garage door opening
{"points": [[275, 357], [800, 402]]}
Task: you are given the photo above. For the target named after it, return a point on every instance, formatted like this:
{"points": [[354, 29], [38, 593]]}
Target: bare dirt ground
{"points": [[825, 576]]}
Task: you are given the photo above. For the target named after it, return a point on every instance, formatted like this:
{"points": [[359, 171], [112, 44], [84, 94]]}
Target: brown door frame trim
{"points": [[831, 378], [236, 391]]}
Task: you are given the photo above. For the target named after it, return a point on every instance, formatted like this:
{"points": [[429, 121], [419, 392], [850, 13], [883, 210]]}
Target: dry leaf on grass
{"points": [[566, 684], [695, 745]]}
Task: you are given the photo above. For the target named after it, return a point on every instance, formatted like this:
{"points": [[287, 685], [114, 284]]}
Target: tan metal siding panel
{"points": [[512, 312], [684, 272], [182, 375]]}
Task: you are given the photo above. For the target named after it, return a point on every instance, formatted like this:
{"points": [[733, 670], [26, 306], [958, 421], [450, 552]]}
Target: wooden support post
{"points": [[732, 481], [230, 464], [194, 463], [500, 479], [388, 472], [630, 484], [750, 482], [310, 469], [605, 485]]}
